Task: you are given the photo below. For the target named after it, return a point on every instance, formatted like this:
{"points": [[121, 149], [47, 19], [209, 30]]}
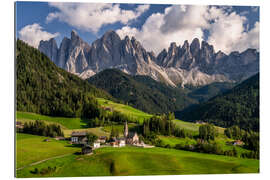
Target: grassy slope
{"points": [[31, 148], [139, 161], [70, 123], [172, 141], [125, 109], [193, 126], [67, 124], [97, 131]]}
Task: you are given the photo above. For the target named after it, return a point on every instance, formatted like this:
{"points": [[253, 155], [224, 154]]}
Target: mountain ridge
{"points": [[238, 106], [194, 64], [44, 88], [141, 92]]}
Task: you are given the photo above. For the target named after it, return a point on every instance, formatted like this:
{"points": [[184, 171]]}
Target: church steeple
{"points": [[126, 130]]}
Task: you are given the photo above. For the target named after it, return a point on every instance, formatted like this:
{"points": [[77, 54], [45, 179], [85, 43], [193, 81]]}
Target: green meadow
{"points": [[31, 148], [172, 141], [125, 109], [69, 123], [193, 126], [142, 161], [97, 131]]}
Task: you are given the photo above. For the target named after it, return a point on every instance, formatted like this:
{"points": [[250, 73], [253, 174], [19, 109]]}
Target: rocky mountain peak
{"points": [[49, 48], [126, 39], [74, 34], [207, 47], [172, 49], [195, 63], [111, 36], [186, 45], [195, 46]]}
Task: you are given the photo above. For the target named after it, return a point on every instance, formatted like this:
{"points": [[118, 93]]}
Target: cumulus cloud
{"points": [[34, 33], [179, 23], [160, 29], [91, 17], [228, 33]]}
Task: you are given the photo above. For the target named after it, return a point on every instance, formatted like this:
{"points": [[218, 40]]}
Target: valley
{"points": [[132, 161], [200, 122]]}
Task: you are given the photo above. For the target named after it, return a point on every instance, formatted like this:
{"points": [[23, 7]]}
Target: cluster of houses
{"points": [[130, 138]]}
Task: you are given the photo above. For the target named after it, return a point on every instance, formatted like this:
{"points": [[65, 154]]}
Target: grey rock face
{"points": [[49, 48], [235, 66], [72, 54], [195, 63]]}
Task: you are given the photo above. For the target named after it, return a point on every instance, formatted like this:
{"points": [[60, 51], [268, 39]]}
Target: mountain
{"points": [[195, 64], [141, 92], [72, 54], [44, 88], [208, 91], [238, 106]]}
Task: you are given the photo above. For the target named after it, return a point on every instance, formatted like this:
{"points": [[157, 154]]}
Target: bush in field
{"points": [[44, 171]]}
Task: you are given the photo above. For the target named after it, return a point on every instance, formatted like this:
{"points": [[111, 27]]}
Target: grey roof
{"points": [[131, 134], [78, 134]]}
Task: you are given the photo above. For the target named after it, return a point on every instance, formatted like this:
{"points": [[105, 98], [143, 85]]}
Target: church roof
{"points": [[131, 134]]}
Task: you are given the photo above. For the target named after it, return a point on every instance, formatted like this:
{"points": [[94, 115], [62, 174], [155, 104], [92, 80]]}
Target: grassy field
{"points": [[31, 148], [70, 123], [138, 161], [125, 109], [172, 141], [193, 126], [97, 131]]}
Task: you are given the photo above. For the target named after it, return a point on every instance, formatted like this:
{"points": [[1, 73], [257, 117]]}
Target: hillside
{"points": [[142, 161], [141, 92], [238, 106], [191, 63], [206, 92], [44, 88]]}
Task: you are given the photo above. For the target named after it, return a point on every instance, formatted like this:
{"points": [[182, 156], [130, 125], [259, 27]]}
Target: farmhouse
{"points": [[78, 138], [86, 149], [118, 142], [122, 142], [102, 139], [107, 108], [200, 122], [96, 145], [19, 125], [238, 143]]}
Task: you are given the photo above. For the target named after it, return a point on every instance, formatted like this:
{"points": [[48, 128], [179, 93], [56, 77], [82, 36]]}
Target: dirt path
{"points": [[38, 162]]}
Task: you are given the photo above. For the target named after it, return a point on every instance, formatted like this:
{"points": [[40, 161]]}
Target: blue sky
{"points": [[155, 26]]}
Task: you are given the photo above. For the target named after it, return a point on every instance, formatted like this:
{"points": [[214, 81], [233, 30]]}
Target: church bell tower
{"points": [[126, 130]]}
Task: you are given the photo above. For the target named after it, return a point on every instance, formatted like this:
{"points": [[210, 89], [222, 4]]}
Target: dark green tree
{"points": [[91, 138]]}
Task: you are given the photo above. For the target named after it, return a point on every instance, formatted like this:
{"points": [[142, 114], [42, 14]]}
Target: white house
{"points": [[96, 145], [78, 138], [122, 143]]}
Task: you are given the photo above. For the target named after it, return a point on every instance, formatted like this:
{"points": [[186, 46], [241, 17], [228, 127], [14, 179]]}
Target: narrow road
{"points": [[38, 162]]}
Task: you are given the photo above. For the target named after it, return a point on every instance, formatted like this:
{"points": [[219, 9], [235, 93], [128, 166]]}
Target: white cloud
{"points": [[142, 8], [91, 17], [33, 34], [179, 23], [228, 32]]}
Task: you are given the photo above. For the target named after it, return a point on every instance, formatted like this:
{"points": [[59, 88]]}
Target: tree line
{"points": [[163, 125], [39, 127]]}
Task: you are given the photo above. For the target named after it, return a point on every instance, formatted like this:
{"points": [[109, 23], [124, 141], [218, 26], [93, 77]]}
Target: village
{"points": [[130, 138]]}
